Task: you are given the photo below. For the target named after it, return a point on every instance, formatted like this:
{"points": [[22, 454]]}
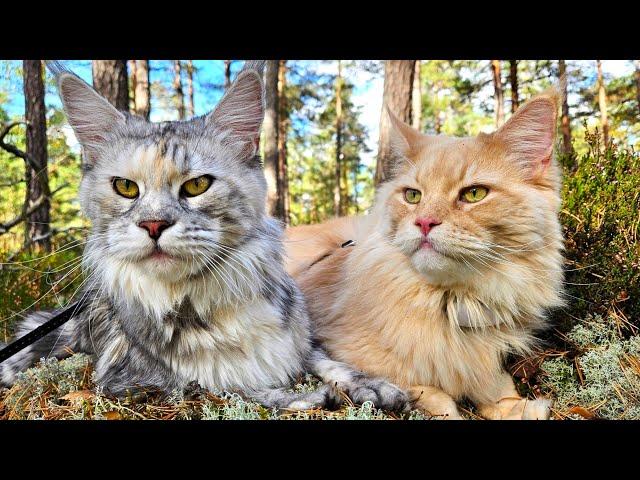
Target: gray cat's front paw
{"points": [[380, 392], [325, 397]]}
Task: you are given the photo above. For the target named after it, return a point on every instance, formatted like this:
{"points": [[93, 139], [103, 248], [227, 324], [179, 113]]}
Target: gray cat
{"points": [[185, 277]]}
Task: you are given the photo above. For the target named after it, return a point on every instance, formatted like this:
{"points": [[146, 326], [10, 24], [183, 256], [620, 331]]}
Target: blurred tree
{"points": [[142, 90], [37, 200], [177, 89], [270, 132], [637, 75], [283, 127], [398, 86], [190, 93], [498, 92], [339, 185], [513, 80], [565, 121], [416, 98], [602, 102], [110, 80]]}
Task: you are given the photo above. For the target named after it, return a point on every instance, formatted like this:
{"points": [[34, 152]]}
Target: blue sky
{"points": [[210, 77]]}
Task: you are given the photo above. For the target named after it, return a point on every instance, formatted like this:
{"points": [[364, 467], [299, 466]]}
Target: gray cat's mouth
{"points": [[159, 254]]}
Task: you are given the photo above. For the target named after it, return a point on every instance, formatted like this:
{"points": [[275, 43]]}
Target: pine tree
{"points": [[37, 200], [498, 92], [270, 132], [110, 80], [398, 86], [177, 89]]}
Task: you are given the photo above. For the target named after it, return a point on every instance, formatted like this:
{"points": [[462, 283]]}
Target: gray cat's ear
{"points": [[240, 112], [90, 115]]}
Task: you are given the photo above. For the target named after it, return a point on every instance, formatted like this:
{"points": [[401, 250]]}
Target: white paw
{"points": [[525, 409]]}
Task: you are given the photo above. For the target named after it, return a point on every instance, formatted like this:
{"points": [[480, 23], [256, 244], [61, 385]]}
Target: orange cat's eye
{"points": [[413, 196], [473, 194]]}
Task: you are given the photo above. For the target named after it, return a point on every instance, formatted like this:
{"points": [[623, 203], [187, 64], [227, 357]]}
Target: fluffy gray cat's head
{"points": [[165, 197]]}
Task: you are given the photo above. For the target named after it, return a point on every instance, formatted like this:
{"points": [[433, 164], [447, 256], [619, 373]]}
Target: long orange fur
{"points": [[390, 308]]}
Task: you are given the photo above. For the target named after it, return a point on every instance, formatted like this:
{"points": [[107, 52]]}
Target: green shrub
{"points": [[601, 219]]}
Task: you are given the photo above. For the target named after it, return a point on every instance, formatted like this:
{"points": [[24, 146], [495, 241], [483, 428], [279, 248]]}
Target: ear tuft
{"points": [[529, 134]]}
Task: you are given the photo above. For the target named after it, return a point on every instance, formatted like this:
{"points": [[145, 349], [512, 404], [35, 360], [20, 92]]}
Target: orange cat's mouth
{"points": [[426, 244]]}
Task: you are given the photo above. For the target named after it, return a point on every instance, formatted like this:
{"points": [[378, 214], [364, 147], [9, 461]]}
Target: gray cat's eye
{"points": [[196, 186], [125, 187]]}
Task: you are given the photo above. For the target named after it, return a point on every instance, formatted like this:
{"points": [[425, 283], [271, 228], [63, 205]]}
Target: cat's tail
{"points": [[54, 344]]}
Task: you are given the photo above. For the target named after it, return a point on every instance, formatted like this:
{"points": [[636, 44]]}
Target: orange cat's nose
{"points": [[426, 224]]}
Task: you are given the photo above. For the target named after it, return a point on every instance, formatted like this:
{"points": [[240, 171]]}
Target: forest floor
{"points": [[598, 376]]}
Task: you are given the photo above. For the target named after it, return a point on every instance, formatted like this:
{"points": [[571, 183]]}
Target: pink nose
{"points": [[427, 223], [155, 227]]}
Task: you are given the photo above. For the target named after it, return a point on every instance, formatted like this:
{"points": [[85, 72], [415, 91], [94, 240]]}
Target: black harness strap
{"points": [[47, 327]]}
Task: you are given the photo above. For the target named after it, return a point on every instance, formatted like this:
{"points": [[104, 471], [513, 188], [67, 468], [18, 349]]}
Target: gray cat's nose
{"points": [[155, 227]]}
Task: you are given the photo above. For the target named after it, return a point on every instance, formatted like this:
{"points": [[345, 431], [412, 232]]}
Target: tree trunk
{"points": [[338, 195], [283, 125], [142, 93], [416, 99], [637, 62], [177, 88], [602, 102], [37, 227], [227, 73], [398, 85], [567, 147], [270, 129], [134, 82], [498, 93], [192, 105], [513, 79], [110, 80]]}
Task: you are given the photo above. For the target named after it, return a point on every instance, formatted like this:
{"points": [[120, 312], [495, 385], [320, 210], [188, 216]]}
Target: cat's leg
{"points": [[509, 405], [359, 386], [434, 402], [54, 344], [326, 397]]}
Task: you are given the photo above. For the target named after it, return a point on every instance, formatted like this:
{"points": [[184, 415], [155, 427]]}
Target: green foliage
{"points": [[604, 376], [601, 218], [311, 153]]}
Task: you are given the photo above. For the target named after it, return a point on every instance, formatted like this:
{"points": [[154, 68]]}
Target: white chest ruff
{"points": [[245, 348]]}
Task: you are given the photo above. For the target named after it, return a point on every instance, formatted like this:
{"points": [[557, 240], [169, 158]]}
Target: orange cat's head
{"points": [[462, 206]]}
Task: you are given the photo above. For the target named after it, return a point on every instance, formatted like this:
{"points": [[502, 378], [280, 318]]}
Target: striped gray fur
{"points": [[208, 300]]}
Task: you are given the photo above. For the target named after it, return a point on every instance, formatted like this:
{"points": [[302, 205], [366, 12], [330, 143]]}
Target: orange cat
{"points": [[453, 268]]}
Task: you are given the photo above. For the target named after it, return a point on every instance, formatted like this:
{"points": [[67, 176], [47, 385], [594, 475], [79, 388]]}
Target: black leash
{"points": [[47, 327], [60, 319]]}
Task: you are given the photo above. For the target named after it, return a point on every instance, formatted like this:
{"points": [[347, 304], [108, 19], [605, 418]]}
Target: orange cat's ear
{"points": [[529, 135], [402, 137]]}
